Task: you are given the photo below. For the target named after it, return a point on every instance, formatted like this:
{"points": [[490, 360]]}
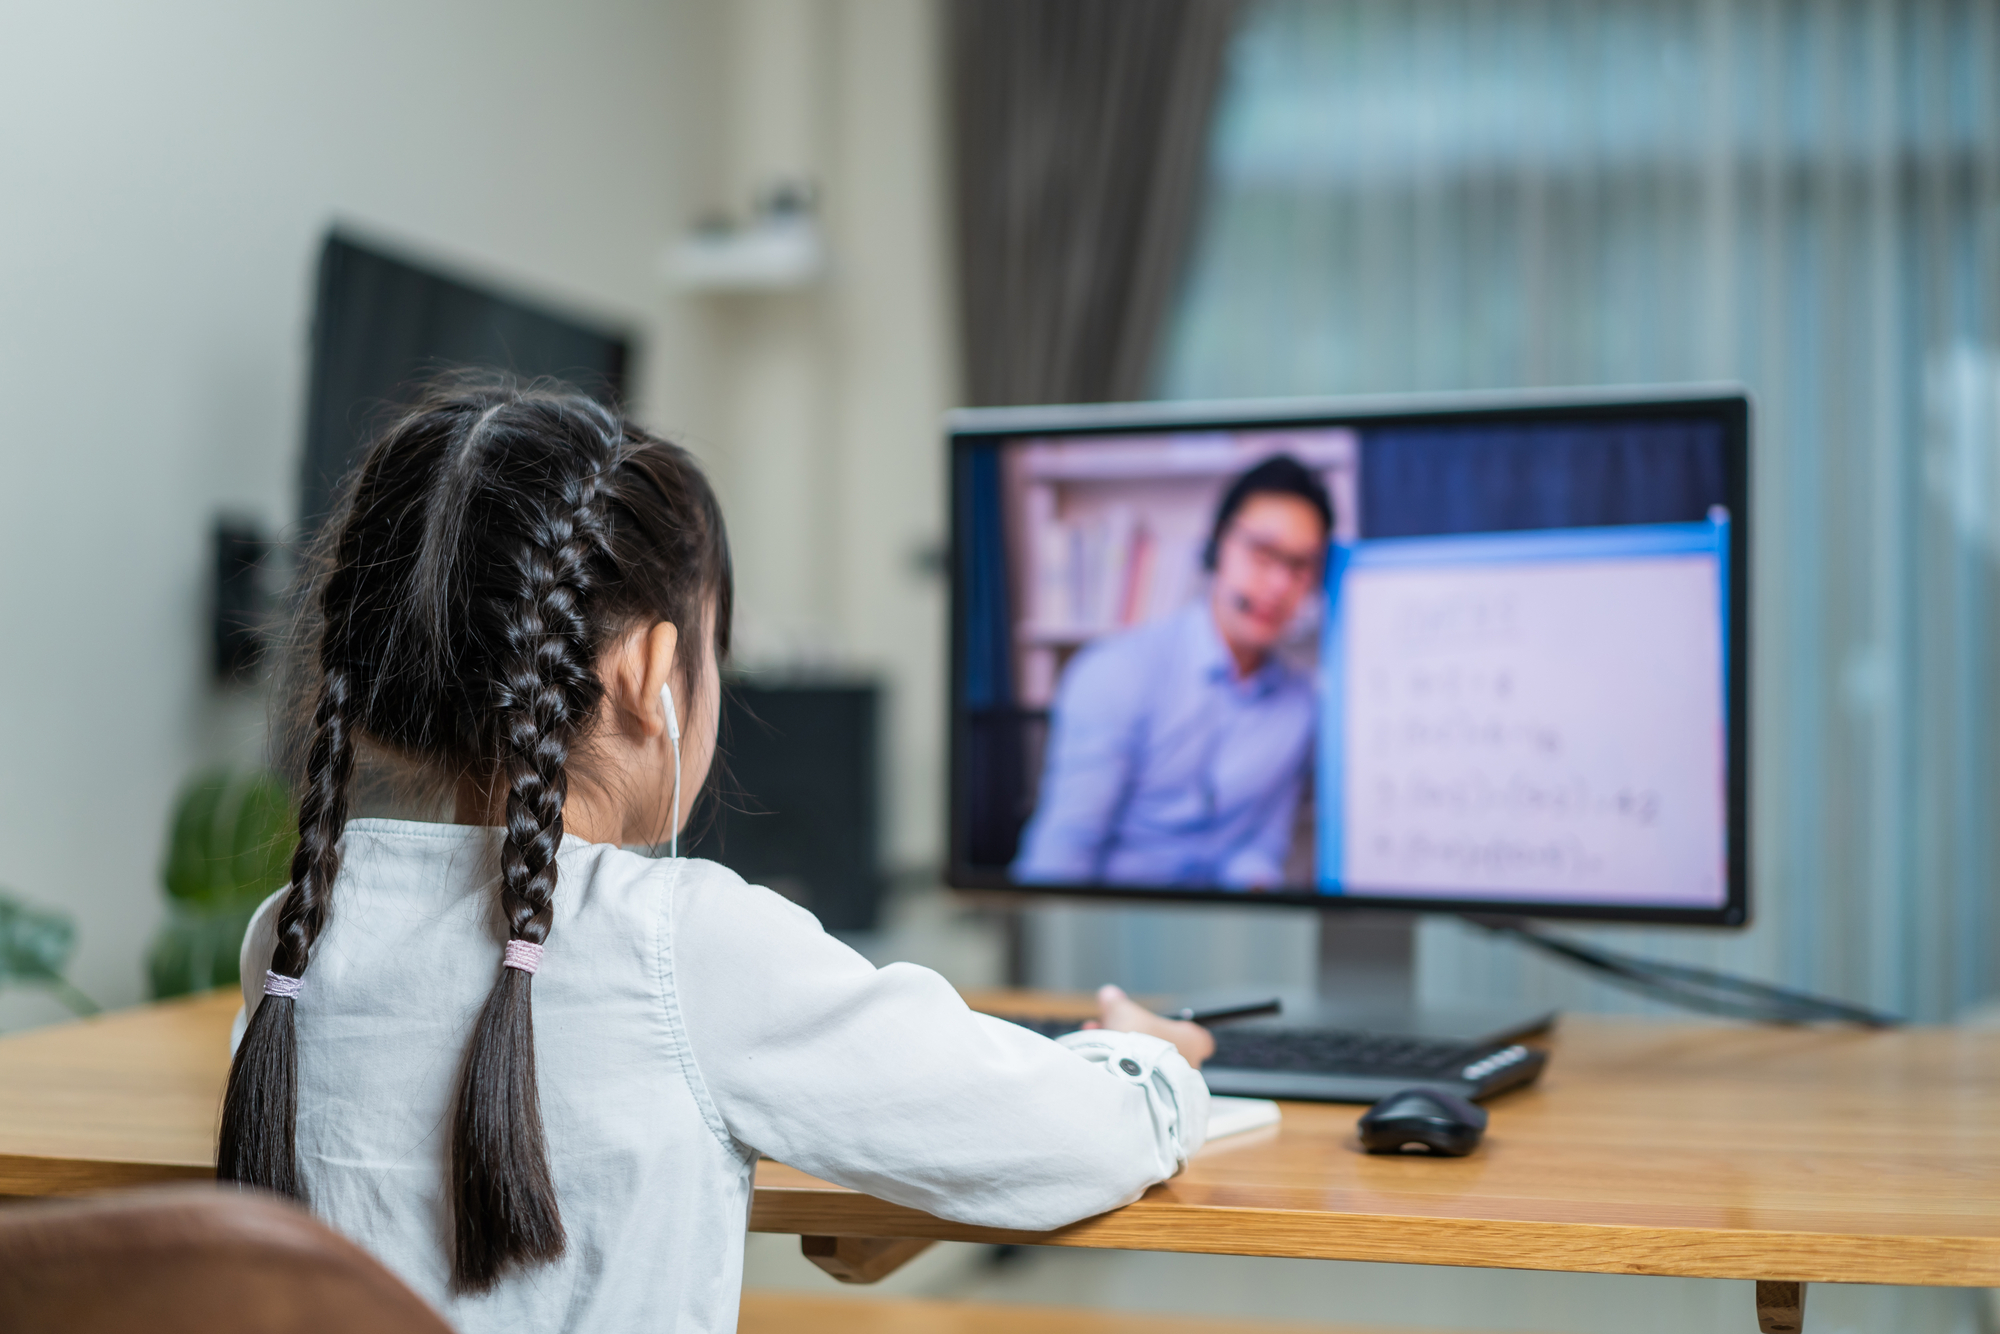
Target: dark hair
{"points": [[491, 546], [1279, 475]]}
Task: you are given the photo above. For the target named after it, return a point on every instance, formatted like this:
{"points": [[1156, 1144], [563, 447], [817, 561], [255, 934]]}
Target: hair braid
{"points": [[505, 1195], [547, 691], [258, 1142], [322, 817]]}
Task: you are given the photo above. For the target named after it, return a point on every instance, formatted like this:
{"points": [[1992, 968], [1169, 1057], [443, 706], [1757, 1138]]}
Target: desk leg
{"points": [[1781, 1307], [862, 1259]]}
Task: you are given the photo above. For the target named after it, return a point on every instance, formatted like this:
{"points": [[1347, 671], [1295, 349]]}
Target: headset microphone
{"points": [[1241, 602], [674, 740]]}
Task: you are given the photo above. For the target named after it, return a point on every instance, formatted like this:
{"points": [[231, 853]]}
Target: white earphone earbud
{"points": [[673, 740]]}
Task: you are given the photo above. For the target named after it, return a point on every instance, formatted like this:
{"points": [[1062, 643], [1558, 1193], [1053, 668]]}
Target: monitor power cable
{"points": [[1690, 987]]}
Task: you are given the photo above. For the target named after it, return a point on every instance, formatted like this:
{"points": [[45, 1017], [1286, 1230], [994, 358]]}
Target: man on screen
{"points": [[1177, 750]]}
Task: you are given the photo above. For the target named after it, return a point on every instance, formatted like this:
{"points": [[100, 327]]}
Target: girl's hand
{"points": [[1116, 1010]]}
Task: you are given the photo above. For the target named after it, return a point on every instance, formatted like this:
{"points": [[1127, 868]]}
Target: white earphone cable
{"points": [[673, 740]]}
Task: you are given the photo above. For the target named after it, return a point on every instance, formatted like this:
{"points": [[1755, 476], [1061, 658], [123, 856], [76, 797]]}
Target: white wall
{"points": [[166, 174], [830, 400]]}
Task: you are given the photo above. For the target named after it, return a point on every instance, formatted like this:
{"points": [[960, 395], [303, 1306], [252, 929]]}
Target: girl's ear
{"points": [[660, 645], [633, 671]]}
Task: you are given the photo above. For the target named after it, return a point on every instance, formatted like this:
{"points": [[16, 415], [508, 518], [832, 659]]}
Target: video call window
{"points": [[1459, 661]]}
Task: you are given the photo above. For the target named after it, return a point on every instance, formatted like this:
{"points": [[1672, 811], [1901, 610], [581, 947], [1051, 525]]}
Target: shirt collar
{"points": [[1214, 662]]}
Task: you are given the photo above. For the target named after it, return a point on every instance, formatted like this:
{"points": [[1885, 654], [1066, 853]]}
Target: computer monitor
{"points": [[1474, 653]]}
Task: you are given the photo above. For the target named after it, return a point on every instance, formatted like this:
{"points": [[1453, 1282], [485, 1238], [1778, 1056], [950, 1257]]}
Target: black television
{"points": [[383, 323]]}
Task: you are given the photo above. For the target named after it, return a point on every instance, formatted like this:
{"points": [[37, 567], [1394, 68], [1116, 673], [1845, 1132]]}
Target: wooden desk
{"points": [[1772, 1154], [125, 1099]]}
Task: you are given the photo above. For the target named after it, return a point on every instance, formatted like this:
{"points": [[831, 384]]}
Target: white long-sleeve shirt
{"points": [[684, 1022]]}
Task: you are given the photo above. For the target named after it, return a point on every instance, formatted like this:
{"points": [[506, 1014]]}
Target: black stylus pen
{"points": [[1217, 1013]]}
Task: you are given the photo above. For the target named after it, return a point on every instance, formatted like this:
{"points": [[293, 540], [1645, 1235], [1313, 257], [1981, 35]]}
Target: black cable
{"points": [[1693, 988]]}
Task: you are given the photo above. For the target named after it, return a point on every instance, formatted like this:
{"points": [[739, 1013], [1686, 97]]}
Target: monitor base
{"points": [[1367, 984]]}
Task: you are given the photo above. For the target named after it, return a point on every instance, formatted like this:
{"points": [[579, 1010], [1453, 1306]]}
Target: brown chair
{"points": [[193, 1260]]}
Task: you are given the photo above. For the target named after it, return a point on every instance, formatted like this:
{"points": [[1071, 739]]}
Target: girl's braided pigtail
{"points": [[504, 1196], [257, 1145]]}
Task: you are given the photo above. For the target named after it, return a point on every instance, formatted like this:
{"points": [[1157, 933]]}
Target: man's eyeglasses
{"points": [[1300, 566]]}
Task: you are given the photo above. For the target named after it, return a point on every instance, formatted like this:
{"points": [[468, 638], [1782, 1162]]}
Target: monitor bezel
{"points": [[974, 428]]}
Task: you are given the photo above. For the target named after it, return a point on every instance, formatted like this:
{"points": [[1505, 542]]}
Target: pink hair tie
{"points": [[277, 984], [524, 955]]}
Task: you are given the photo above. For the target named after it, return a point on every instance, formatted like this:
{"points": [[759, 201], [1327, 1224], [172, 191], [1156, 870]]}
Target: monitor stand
{"points": [[1367, 982]]}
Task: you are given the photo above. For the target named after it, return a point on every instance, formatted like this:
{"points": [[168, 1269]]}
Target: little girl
{"points": [[525, 598]]}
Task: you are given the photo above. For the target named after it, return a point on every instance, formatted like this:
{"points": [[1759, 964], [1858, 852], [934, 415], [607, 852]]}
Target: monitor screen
{"points": [[1457, 655]]}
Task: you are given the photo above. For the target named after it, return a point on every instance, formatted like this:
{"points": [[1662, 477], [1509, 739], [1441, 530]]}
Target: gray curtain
{"points": [[1800, 194], [1080, 138]]}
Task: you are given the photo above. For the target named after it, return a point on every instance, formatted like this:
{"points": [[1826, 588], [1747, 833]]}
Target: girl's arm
{"points": [[883, 1080]]}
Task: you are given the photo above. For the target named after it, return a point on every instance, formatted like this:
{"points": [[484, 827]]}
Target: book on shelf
{"points": [[1102, 574]]}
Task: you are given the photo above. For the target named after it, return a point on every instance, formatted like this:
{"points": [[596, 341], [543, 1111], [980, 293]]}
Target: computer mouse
{"points": [[1423, 1119]]}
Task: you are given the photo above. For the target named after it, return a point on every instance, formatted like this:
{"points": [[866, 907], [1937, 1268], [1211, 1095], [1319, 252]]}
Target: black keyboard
{"points": [[1336, 1065]]}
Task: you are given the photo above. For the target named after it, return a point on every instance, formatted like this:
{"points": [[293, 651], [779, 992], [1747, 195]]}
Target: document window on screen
{"points": [[1471, 661], [1528, 714]]}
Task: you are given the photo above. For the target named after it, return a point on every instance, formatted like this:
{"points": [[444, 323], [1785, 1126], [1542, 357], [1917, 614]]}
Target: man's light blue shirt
{"points": [[1164, 769]]}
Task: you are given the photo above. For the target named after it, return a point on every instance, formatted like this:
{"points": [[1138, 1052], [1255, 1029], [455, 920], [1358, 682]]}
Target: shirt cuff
{"points": [[1174, 1090]]}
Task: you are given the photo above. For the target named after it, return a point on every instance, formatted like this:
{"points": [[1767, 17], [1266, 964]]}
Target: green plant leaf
{"points": [[35, 944], [231, 840], [188, 862], [229, 847], [197, 949], [265, 834]]}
